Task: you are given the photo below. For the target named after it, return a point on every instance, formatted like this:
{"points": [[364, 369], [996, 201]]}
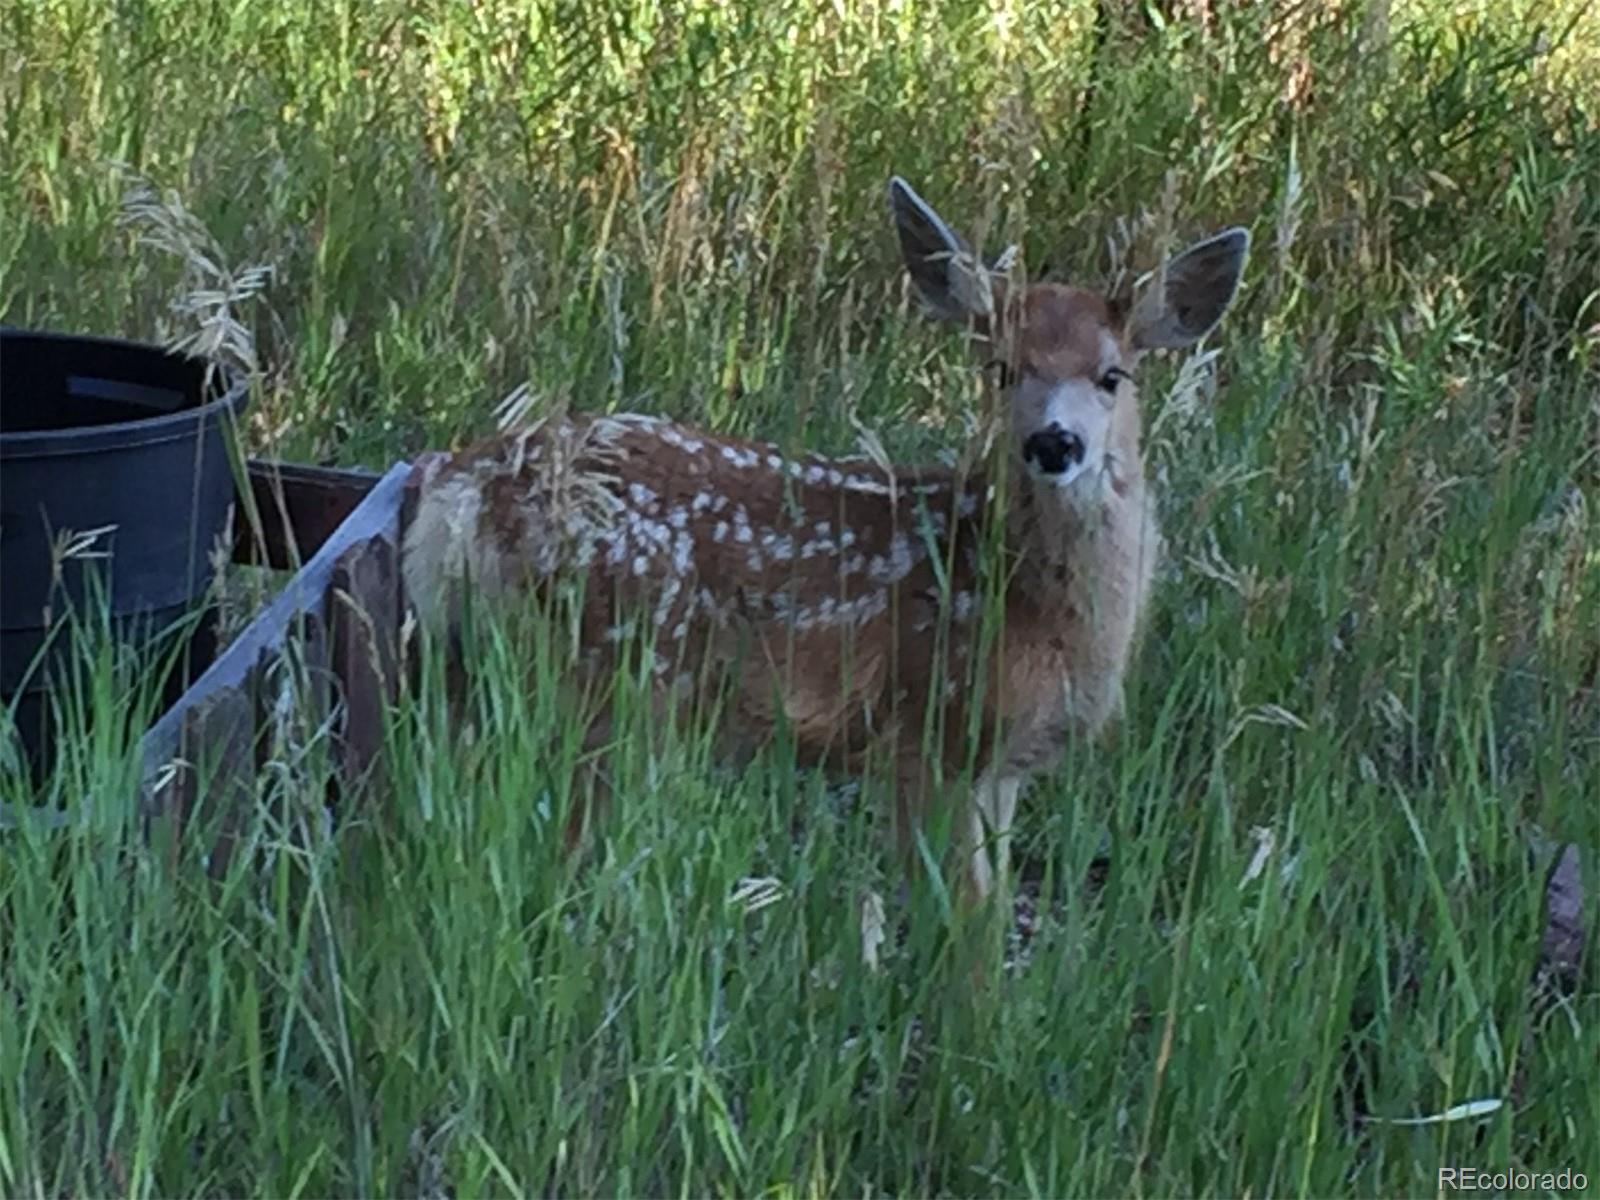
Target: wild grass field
{"points": [[1289, 908]]}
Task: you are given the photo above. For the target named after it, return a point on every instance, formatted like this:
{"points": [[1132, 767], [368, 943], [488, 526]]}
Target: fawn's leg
{"points": [[990, 811], [973, 816], [991, 814]]}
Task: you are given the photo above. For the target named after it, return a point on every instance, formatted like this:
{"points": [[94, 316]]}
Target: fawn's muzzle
{"points": [[1054, 450]]}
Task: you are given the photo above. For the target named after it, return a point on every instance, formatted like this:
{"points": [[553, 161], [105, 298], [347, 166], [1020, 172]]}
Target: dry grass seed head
{"points": [[212, 291]]}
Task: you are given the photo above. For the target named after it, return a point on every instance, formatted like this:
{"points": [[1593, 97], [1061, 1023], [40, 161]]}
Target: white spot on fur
{"points": [[669, 596], [829, 611], [865, 608], [821, 545], [644, 532], [897, 564], [673, 436], [870, 487]]}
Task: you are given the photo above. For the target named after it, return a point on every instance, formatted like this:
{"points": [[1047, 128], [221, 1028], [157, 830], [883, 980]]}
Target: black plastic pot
{"points": [[97, 432]]}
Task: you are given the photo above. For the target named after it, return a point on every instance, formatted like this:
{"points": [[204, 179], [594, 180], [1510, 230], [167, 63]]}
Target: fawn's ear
{"points": [[1189, 296], [950, 277]]}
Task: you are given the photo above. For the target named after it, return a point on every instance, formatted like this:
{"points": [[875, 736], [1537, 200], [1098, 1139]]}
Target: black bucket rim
{"points": [[41, 443]]}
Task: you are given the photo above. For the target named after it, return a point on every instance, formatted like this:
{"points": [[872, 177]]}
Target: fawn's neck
{"points": [[1087, 547]]}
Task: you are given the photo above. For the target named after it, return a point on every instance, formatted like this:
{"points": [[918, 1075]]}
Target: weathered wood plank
{"points": [[292, 509], [315, 660], [170, 793], [212, 778], [364, 611], [219, 741], [376, 516]]}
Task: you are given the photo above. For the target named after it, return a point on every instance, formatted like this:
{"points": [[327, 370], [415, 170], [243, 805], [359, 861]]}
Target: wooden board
{"points": [[185, 777], [364, 614]]}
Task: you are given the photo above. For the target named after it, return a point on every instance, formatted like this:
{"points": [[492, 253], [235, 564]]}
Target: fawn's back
{"points": [[814, 586]]}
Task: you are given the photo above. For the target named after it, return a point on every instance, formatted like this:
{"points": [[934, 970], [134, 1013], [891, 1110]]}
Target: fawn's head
{"points": [[1066, 353]]}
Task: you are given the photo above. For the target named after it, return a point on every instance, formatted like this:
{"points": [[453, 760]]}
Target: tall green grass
{"points": [[1373, 652]]}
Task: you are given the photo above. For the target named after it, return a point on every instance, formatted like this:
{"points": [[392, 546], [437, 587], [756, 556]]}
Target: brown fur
{"points": [[811, 586]]}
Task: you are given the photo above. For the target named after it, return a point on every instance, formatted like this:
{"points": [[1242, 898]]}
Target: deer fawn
{"points": [[846, 599]]}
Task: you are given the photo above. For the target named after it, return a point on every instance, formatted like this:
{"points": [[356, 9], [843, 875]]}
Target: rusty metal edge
{"points": [[285, 510]]}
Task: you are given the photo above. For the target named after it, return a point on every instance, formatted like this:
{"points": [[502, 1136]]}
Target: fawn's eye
{"points": [[1113, 376]]}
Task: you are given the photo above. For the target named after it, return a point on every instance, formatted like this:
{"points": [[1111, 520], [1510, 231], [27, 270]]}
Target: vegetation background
{"points": [[1296, 900]]}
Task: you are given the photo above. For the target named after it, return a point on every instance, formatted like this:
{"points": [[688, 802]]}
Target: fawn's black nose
{"points": [[1054, 449]]}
